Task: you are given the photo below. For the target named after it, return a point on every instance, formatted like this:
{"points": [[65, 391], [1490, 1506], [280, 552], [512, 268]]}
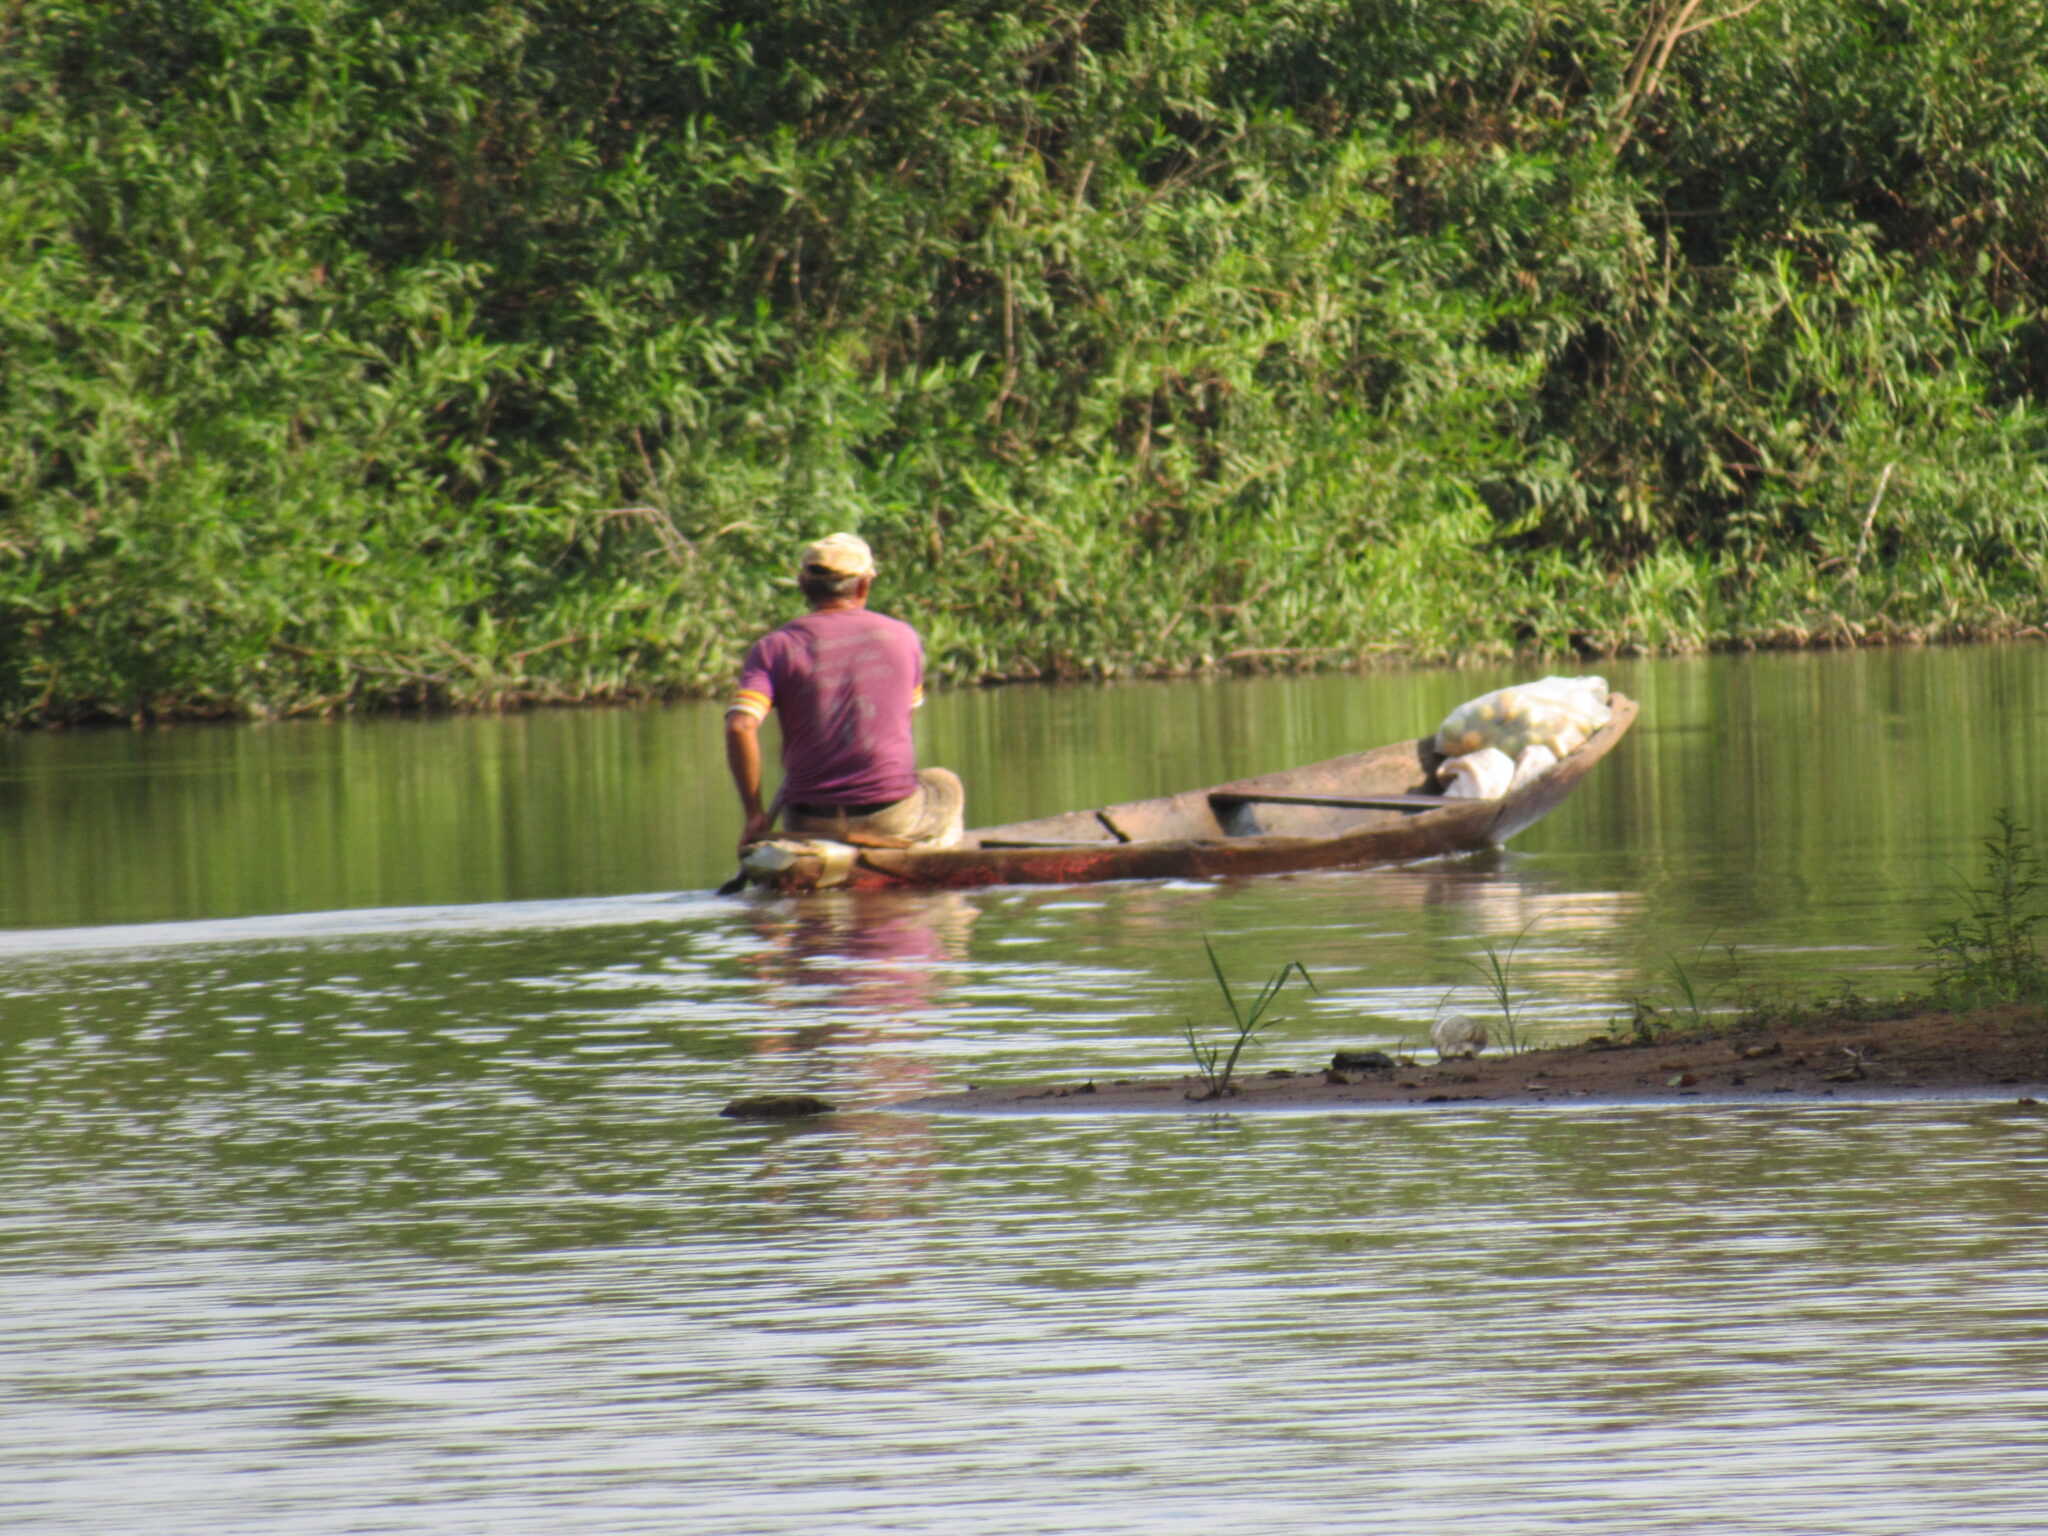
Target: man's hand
{"points": [[758, 826]]}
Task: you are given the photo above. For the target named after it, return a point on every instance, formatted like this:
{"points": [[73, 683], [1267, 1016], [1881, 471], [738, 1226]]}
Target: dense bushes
{"points": [[466, 351]]}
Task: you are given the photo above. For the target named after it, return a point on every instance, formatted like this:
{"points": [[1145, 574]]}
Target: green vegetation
{"points": [[1695, 998], [1211, 1064], [1991, 953], [468, 352], [1496, 979], [1686, 981]]}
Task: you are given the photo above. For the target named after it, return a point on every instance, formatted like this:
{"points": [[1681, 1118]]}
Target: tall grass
{"points": [[463, 354], [1992, 952], [1496, 973]]}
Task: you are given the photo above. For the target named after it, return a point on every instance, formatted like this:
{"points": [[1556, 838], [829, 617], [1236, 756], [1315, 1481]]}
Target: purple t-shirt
{"points": [[843, 683]]}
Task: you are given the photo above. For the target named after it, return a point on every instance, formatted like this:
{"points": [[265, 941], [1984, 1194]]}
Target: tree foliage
{"points": [[472, 351]]}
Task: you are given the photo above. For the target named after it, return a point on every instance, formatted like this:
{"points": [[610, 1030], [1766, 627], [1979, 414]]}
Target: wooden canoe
{"points": [[1378, 807]]}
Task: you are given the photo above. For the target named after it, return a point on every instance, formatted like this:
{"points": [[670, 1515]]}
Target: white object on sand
{"points": [[1457, 1035]]}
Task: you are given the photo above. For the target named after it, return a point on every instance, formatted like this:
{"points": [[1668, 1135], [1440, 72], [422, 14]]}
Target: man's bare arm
{"points": [[743, 757]]}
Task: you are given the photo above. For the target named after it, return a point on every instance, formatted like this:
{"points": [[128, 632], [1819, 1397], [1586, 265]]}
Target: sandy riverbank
{"points": [[1993, 1053]]}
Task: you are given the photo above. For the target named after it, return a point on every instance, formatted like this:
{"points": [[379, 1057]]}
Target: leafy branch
{"points": [[1671, 22]]}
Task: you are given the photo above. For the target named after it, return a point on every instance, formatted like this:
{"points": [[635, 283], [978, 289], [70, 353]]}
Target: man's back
{"points": [[843, 683]]}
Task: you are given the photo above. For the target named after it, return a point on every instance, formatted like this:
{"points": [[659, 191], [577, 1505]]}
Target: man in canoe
{"points": [[843, 682]]}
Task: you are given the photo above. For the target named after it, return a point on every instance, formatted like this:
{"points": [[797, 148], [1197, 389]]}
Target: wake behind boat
{"points": [[1386, 806]]}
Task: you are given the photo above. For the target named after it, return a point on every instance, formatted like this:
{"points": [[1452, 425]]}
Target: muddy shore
{"points": [[1993, 1054]]}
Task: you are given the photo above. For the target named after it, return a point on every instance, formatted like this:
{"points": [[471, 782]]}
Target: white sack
{"points": [[1534, 762], [1482, 775]]}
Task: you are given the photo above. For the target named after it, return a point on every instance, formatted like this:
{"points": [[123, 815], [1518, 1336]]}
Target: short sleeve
{"points": [[755, 694]]}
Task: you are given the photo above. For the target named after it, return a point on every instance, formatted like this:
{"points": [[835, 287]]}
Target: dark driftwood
{"points": [[1378, 807]]}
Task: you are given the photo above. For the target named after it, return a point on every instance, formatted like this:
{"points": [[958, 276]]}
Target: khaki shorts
{"points": [[930, 816]]}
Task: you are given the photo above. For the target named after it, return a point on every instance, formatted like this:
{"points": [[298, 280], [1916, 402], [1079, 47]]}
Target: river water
{"points": [[360, 1168]]}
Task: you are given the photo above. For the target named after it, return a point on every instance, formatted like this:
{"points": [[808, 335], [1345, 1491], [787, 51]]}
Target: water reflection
{"points": [[1539, 1322], [423, 1218], [883, 952], [1748, 784], [859, 973]]}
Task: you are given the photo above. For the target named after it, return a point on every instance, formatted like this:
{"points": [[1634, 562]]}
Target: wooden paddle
{"points": [[1220, 798]]}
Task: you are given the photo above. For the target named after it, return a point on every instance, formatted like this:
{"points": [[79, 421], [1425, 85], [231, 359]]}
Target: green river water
{"points": [[361, 1171]]}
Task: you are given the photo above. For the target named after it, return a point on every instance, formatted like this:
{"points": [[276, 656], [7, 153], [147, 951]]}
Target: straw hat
{"points": [[837, 556]]}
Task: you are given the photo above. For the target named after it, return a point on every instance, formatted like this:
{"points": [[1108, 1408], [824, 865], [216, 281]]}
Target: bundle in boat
{"points": [[1498, 742]]}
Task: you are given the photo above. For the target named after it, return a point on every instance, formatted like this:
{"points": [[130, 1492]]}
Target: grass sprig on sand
{"points": [[1496, 980], [1212, 1064]]}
